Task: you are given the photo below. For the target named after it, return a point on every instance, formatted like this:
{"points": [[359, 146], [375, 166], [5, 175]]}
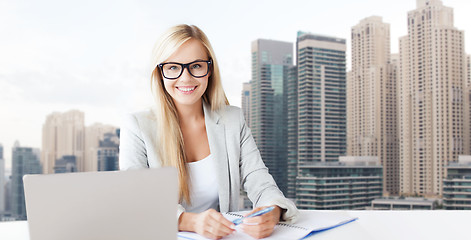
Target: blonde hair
{"points": [[169, 134]]}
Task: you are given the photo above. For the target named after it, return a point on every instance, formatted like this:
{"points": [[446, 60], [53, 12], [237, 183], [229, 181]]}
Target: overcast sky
{"points": [[57, 55]]}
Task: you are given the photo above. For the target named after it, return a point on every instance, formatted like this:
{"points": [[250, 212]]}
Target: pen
{"points": [[258, 213]]}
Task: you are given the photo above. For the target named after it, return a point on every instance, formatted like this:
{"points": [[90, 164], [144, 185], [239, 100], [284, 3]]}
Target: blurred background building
{"points": [[268, 104], [25, 160]]}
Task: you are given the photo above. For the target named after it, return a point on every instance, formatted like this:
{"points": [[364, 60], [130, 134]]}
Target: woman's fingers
{"points": [[220, 225], [263, 225], [212, 224], [258, 230]]}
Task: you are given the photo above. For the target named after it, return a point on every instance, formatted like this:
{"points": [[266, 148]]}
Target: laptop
{"points": [[134, 204]]}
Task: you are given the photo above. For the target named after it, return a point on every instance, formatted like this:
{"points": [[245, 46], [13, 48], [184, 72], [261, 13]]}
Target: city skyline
{"points": [[57, 56]]}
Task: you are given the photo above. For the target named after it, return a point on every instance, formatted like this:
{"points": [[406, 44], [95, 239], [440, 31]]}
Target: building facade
{"points": [[93, 135], [457, 185], [468, 102], [321, 98], [371, 94], [108, 152], [292, 134], [24, 161], [66, 164], [431, 98], [408, 203], [268, 104], [245, 99], [350, 183], [63, 134]]}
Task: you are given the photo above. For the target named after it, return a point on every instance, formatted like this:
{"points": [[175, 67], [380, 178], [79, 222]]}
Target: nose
{"points": [[185, 75]]}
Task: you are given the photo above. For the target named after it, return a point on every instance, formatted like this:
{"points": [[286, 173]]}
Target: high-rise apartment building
{"points": [[246, 100], [2, 181], [468, 70], [371, 95], [468, 102], [321, 98], [268, 103], [431, 98], [25, 160], [63, 134], [93, 135], [321, 105]]}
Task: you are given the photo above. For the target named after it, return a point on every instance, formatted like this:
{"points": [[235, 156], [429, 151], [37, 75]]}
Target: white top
{"points": [[204, 186]]}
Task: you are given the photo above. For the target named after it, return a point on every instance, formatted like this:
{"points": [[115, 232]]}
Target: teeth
{"points": [[186, 89]]}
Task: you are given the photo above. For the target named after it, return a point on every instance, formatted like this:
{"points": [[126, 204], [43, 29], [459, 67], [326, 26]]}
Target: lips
{"points": [[187, 90]]}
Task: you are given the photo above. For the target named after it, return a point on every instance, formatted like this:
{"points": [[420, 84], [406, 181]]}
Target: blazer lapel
{"points": [[217, 145]]}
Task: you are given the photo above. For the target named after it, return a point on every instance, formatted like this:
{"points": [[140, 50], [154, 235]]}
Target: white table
{"points": [[387, 225]]}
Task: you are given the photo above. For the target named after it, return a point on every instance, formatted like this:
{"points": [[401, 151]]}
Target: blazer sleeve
{"points": [[132, 148], [257, 181]]}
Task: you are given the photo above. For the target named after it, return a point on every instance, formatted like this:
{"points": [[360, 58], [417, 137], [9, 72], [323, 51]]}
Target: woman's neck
{"points": [[190, 113]]}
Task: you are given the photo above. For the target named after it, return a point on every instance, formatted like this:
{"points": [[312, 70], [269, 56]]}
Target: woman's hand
{"points": [[210, 224], [261, 226]]}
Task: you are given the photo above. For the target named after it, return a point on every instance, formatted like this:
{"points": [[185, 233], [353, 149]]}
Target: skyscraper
{"points": [[268, 103], [468, 102], [371, 95], [108, 152], [2, 181], [292, 156], [321, 120], [321, 98], [431, 98], [93, 135], [468, 70], [63, 134], [246, 100], [25, 160]]}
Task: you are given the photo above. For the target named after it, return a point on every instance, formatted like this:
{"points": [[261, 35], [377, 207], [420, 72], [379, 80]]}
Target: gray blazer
{"points": [[230, 142]]}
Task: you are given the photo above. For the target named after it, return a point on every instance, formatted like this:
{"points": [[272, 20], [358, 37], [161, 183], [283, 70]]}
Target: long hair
{"points": [[170, 138]]}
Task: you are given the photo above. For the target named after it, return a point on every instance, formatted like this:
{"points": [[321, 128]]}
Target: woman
{"points": [[193, 129]]}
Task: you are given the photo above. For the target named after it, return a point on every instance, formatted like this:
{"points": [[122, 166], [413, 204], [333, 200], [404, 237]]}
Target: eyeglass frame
{"points": [[187, 66]]}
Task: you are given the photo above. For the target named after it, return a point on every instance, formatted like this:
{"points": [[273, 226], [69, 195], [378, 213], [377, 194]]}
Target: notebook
{"points": [[308, 224], [120, 205]]}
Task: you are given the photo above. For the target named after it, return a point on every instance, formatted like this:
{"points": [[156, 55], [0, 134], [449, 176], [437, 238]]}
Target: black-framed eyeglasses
{"points": [[197, 69]]}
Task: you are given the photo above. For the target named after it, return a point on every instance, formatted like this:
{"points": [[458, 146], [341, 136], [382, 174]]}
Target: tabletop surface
{"points": [[436, 224]]}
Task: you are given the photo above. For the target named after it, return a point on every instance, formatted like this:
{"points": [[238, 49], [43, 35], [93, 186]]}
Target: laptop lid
{"points": [[134, 204]]}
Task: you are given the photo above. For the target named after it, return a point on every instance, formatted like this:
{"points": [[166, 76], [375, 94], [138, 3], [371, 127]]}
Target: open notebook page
{"points": [[306, 223]]}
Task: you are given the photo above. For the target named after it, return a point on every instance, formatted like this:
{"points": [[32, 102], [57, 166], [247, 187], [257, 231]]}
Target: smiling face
{"points": [[187, 90]]}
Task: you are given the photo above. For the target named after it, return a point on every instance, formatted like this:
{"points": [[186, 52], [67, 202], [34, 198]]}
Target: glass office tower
{"points": [[25, 160], [268, 103], [292, 165]]}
